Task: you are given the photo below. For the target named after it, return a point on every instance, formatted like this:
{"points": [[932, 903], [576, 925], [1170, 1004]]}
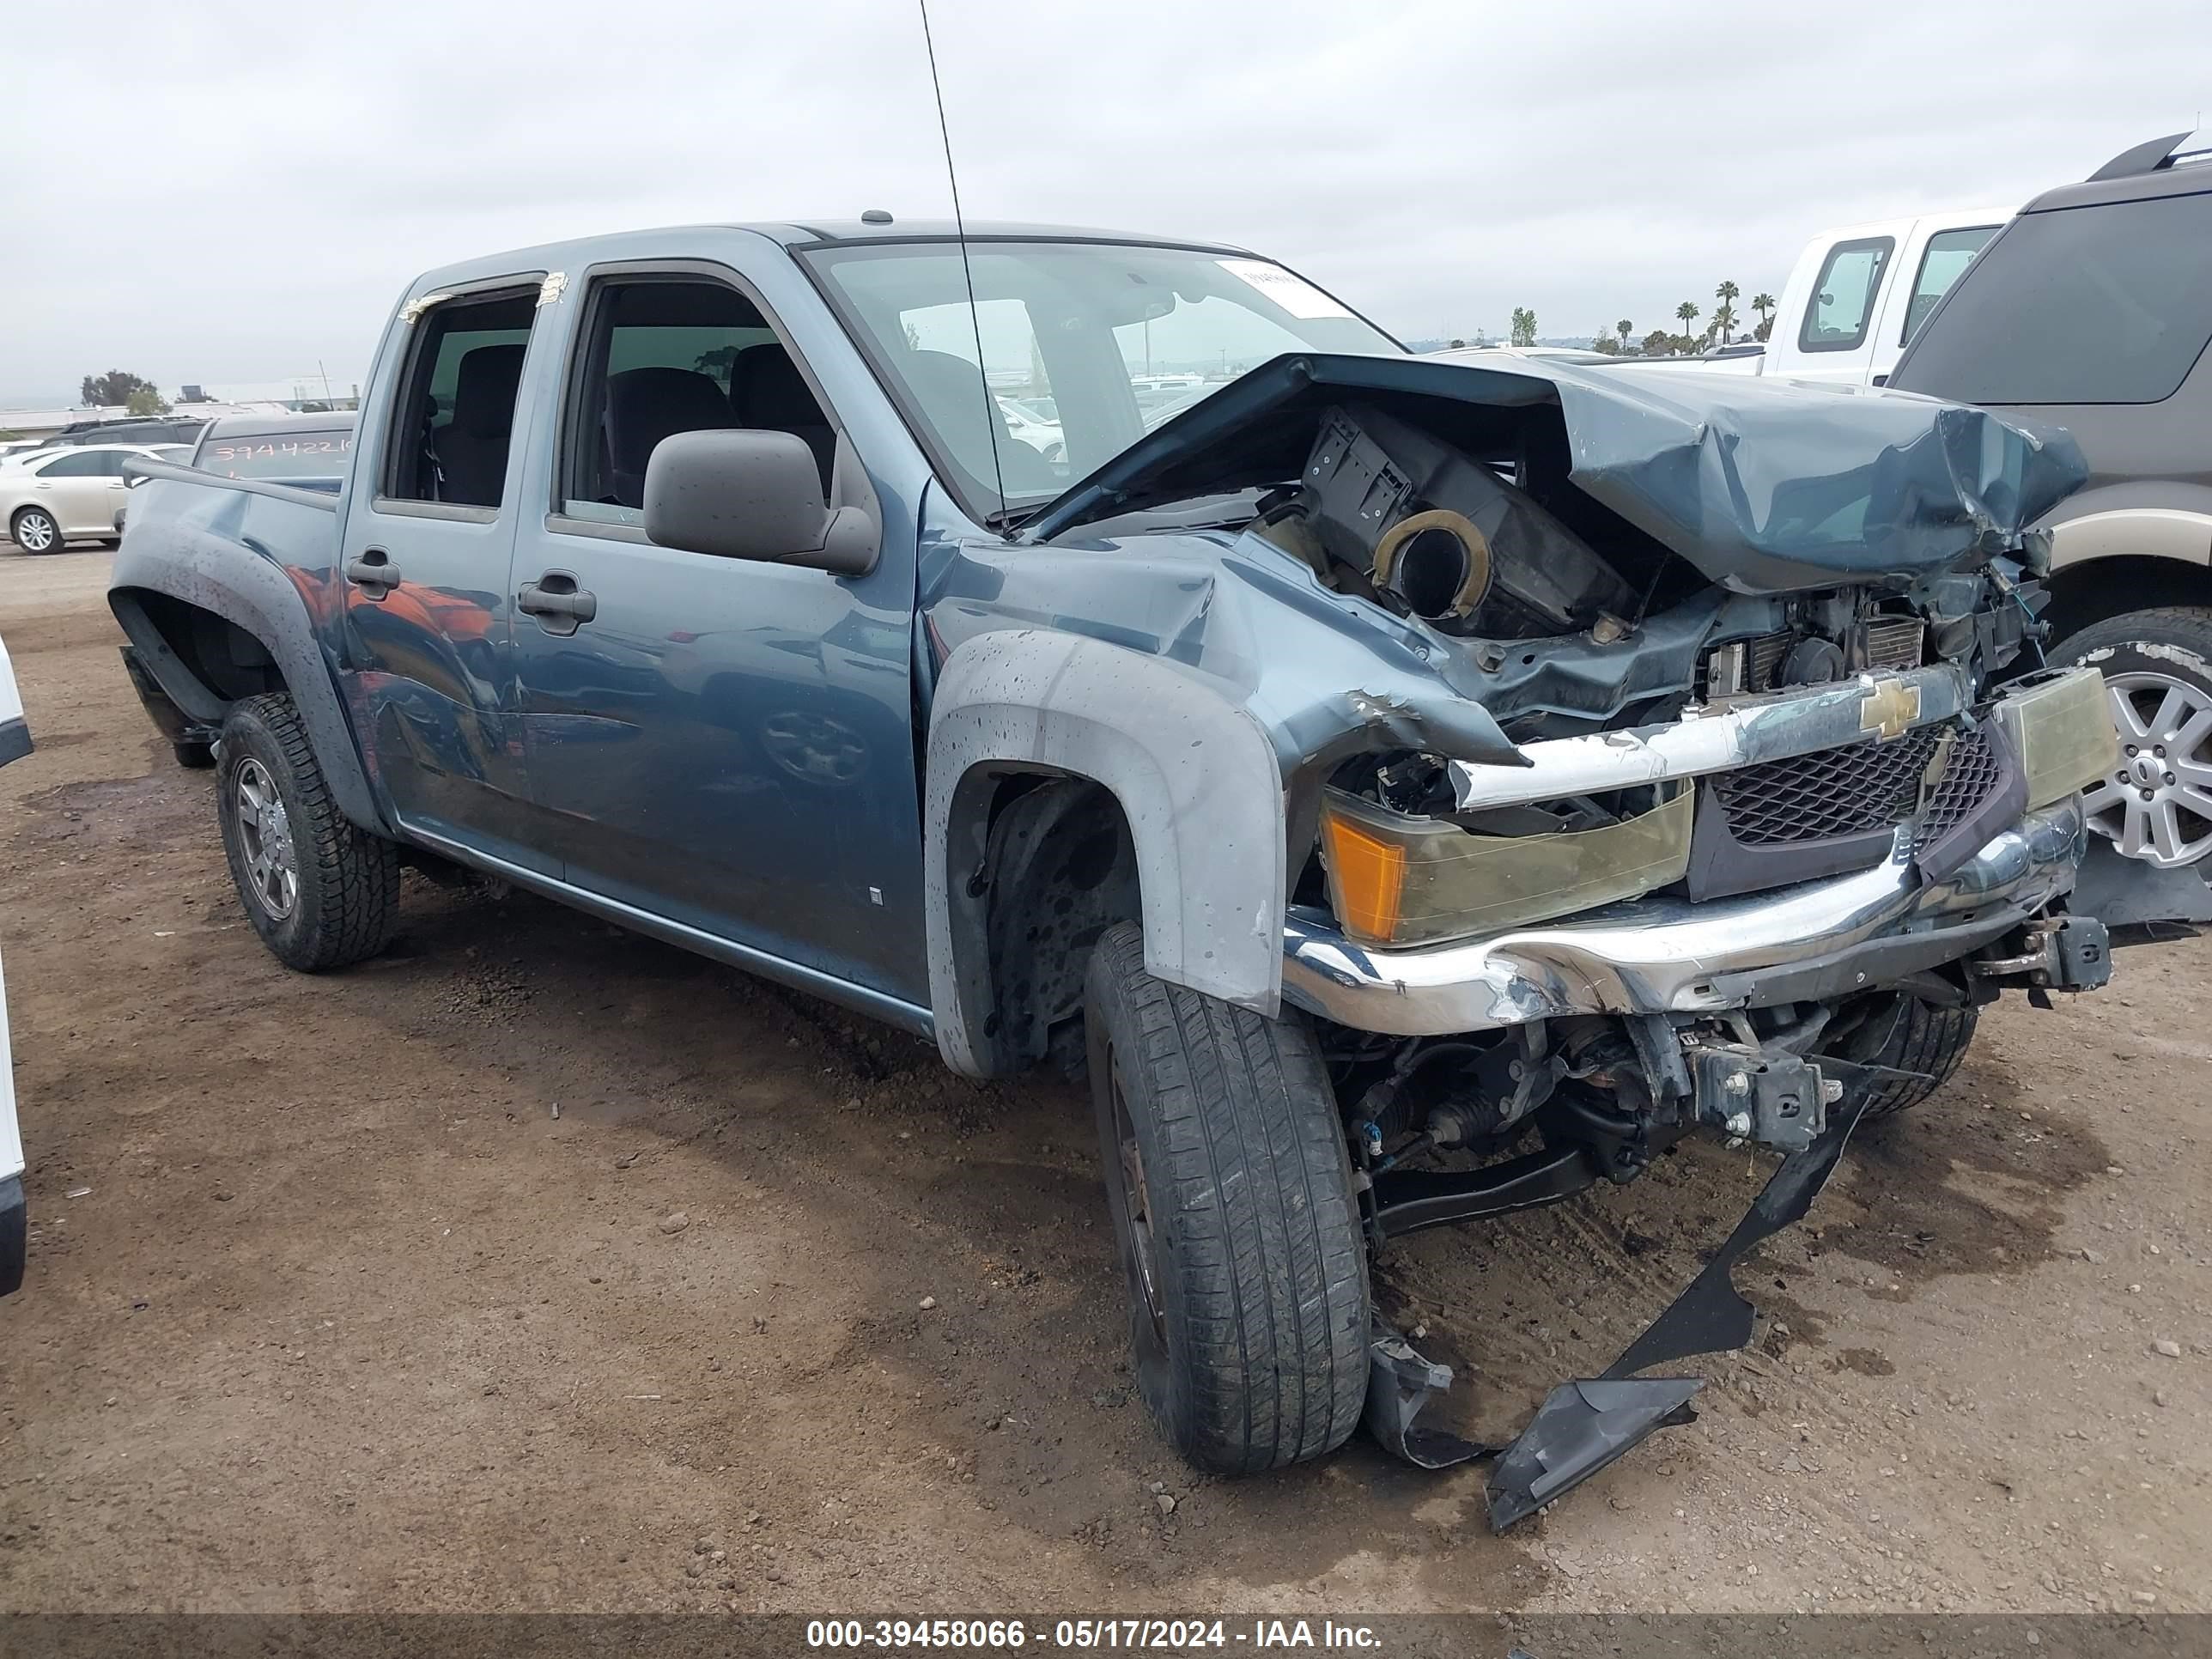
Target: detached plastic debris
{"points": [[1586, 1424]]}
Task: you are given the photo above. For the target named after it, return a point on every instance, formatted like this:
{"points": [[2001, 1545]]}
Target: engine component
{"points": [[1447, 537]]}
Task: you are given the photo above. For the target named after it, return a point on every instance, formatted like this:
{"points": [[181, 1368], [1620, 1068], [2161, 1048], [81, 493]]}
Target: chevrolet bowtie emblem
{"points": [[1890, 707]]}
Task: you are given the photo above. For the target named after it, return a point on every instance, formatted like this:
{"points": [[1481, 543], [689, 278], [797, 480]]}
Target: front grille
{"points": [[1972, 769], [1850, 791]]}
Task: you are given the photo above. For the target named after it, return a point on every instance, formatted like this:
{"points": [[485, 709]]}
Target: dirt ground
{"points": [[505, 1271]]}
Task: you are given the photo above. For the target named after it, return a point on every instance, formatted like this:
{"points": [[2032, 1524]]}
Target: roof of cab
{"points": [[800, 234]]}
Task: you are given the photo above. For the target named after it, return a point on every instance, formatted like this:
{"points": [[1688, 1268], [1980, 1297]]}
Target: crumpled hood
{"points": [[1765, 486]]}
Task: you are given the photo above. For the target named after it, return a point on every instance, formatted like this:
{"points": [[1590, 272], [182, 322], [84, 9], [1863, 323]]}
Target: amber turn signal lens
{"points": [[1368, 875]]}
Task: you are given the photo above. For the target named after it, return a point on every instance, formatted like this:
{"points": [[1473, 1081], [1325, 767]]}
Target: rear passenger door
{"points": [[429, 532], [725, 744]]}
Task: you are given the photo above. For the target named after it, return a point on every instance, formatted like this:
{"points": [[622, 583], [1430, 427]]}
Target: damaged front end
{"points": [[1701, 744]]}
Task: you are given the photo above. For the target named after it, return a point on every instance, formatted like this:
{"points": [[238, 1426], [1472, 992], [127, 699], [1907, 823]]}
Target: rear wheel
{"points": [[321, 892], [2156, 803], [1231, 1195], [35, 530]]}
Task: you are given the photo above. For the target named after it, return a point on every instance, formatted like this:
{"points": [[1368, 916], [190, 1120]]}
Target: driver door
{"points": [[725, 744]]}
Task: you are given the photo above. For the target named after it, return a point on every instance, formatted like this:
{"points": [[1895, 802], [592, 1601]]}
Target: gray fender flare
{"points": [[216, 575], [1196, 778]]}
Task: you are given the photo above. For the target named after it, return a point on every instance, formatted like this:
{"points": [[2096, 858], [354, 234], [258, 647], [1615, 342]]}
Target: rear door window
{"points": [[454, 420], [2109, 304], [1945, 259], [1842, 299]]}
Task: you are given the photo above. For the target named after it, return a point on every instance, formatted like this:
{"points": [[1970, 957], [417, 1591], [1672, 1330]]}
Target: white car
{"points": [[48, 498], [15, 743], [1028, 427]]}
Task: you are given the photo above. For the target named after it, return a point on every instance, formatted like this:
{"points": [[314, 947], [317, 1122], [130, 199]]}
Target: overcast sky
{"points": [[224, 193]]}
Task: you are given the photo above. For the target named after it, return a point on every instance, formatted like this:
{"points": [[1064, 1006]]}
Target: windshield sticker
{"points": [[1297, 297]]}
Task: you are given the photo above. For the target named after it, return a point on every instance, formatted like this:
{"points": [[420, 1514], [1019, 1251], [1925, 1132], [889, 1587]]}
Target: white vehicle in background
{"points": [[69, 492], [15, 743], [1855, 295], [1031, 428]]}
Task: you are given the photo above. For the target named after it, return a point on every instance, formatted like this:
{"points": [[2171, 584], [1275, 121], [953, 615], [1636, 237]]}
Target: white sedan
{"points": [[67, 492]]}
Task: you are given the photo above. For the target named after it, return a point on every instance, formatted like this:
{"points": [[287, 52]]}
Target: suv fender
{"points": [[2136, 518], [1197, 780], [261, 598]]}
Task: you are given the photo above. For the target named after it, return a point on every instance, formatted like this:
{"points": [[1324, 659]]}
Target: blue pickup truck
{"points": [[1410, 791]]}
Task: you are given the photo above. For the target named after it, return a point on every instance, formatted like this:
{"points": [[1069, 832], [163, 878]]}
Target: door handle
{"points": [[559, 604], [373, 573]]}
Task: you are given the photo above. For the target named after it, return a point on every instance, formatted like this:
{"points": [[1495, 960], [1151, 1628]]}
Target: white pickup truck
{"points": [[1855, 296]]}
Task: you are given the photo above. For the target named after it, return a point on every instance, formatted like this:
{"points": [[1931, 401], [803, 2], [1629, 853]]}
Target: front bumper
{"points": [[1658, 956]]}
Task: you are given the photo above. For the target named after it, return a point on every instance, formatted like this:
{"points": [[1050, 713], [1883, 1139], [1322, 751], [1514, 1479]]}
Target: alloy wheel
{"points": [[2156, 803], [37, 533], [264, 832]]}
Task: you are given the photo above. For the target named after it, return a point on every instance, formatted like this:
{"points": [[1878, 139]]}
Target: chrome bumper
{"points": [[1667, 956]]}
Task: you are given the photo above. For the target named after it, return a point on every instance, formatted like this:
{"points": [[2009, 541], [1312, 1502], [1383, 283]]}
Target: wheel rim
{"points": [[2156, 803], [35, 530], [1135, 1199], [264, 832]]}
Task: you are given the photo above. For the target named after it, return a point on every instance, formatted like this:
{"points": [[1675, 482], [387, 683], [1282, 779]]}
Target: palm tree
{"points": [[1763, 305], [1623, 327], [1688, 313], [1724, 318]]}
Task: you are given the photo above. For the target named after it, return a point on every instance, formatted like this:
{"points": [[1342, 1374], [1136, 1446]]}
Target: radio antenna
{"points": [[991, 423]]}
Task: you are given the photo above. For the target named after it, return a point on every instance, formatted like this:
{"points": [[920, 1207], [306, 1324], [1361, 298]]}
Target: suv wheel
{"points": [[321, 892], [1233, 1209], [35, 532], [2156, 803]]}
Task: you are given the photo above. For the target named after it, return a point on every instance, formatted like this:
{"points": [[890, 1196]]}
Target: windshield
{"points": [[1111, 340]]}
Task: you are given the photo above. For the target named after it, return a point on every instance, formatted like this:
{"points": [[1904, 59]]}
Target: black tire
{"points": [[1232, 1202], [193, 757], [345, 882], [52, 540], [1905, 1034]]}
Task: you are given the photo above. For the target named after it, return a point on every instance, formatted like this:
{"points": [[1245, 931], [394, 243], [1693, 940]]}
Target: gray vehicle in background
{"points": [[2092, 311], [1410, 791]]}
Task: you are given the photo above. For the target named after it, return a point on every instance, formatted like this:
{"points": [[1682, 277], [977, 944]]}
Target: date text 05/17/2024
{"points": [[1165, 1635]]}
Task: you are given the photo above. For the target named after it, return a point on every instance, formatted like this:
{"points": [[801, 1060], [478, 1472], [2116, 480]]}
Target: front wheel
{"points": [[1915, 1046], [35, 530], [1233, 1209], [320, 891]]}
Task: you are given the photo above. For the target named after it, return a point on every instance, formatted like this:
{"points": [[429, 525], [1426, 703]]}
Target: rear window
{"points": [[2110, 304], [1842, 299], [301, 454]]}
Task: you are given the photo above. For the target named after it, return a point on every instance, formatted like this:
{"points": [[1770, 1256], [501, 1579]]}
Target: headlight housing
{"points": [[1396, 880], [2061, 726]]}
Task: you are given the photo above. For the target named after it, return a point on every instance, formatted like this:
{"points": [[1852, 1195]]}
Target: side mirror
{"points": [[751, 494]]}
